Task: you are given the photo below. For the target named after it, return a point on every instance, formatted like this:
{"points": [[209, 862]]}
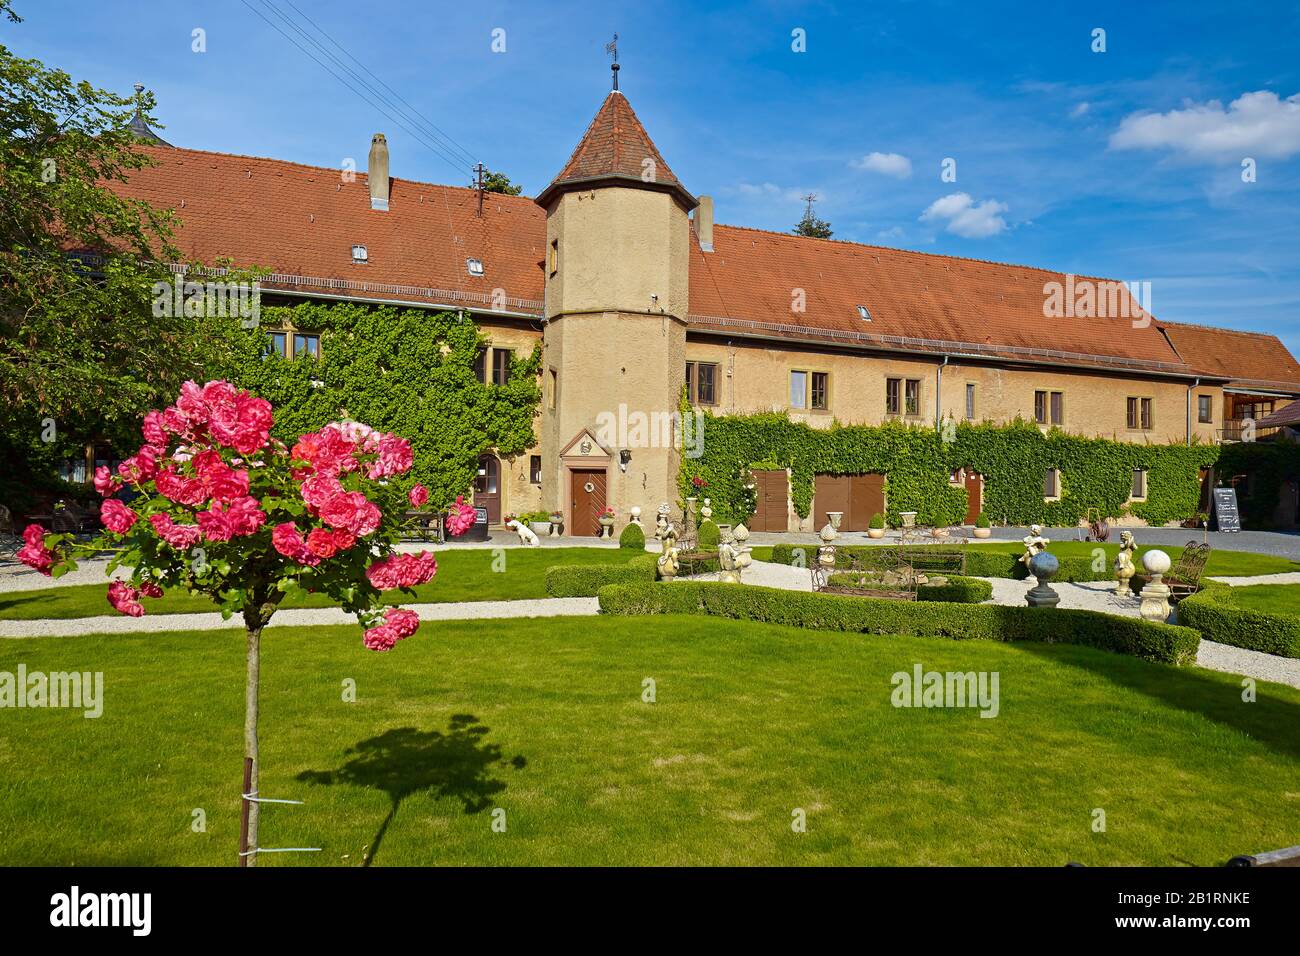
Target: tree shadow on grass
{"points": [[404, 761], [1269, 720]]}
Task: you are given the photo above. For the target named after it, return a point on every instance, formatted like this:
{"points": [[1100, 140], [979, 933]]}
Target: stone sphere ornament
{"points": [[1043, 566], [1155, 593], [1156, 562]]}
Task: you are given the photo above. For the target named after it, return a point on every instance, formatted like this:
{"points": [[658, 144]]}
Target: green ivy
{"points": [[917, 460], [408, 371]]}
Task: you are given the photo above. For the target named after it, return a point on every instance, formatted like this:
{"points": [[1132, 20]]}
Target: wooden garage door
{"points": [[858, 496], [773, 491]]}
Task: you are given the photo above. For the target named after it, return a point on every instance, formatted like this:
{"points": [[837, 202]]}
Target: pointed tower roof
{"points": [[140, 128], [614, 151]]}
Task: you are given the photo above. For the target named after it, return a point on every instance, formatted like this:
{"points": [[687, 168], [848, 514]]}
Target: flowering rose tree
{"points": [[223, 509]]}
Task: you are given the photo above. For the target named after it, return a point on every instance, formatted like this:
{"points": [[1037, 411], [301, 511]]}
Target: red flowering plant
{"points": [[225, 510]]}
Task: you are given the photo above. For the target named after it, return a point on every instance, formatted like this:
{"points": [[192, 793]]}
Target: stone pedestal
{"points": [[1155, 594], [1043, 566]]}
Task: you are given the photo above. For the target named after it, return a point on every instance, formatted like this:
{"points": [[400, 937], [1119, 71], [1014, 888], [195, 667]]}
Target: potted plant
{"points": [[876, 528], [606, 519], [539, 521], [982, 529]]}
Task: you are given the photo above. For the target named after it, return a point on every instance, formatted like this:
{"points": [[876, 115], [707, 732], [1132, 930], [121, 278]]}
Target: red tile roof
{"points": [[302, 221], [1248, 359], [616, 146]]}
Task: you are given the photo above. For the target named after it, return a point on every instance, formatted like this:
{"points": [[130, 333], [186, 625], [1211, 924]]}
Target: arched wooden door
{"points": [[487, 487]]}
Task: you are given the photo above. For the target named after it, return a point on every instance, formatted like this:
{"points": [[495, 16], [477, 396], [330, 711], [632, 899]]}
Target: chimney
{"points": [[702, 222], [377, 168]]}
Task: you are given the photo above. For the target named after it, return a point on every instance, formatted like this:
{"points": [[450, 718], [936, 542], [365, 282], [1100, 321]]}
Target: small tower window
{"points": [[475, 266], [359, 254], [863, 313]]}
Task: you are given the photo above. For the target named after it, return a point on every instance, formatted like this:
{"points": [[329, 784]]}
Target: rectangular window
{"points": [[535, 469], [1138, 413], [1131, 413], [555, 387], [480, 365], [1146, 414], [1051, 483], [1139, 491], [1049, 407], [306, 345], [798, 389], [277, 343], [555, 256], [820, 390], [1205, 409], [893, 404], [912, 396], [501, 359], [701, 383], [970, 401]]}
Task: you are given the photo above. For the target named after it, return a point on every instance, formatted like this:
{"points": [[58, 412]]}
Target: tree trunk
{"points": [[248, 834]]}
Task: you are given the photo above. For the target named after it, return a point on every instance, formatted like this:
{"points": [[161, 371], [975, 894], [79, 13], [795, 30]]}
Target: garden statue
{"points": [[744, 557], [1155, 593], [1124, 567], [706, 512], [668, 564], [729, 571], [526, 534], [1035, 543], [1043, 566], [826, 553]]}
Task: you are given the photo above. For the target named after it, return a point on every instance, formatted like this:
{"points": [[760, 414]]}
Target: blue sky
{"points": [[1124, 163]]}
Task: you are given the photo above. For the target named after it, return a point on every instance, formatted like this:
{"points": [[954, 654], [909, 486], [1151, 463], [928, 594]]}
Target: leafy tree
{"points": [[225, 510], [79, 338], [812, 227], [500, 183]]}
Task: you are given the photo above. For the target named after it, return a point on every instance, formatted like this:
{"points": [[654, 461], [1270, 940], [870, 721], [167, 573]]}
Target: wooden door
{"points": [[974, 495], [866, 498], [857, 496], [772, 489], [487, 487], [586, 500]]}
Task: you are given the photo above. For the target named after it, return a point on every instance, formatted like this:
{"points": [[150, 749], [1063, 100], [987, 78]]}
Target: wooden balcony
{"points": [[1234, 428]]}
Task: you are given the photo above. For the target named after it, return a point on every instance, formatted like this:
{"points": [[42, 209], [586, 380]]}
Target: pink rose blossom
{"points": [[402, 571], [418, 496], [140, 467], [149, 589], [179, 536], [178, 488], [320, 542], [351, 511], [399, 623], [319, 489], [286, 539], [461, 517], [238, 518], [154, 432], [105, 483], [34, 553], [125, 599], [395, 457], [116, 516]]}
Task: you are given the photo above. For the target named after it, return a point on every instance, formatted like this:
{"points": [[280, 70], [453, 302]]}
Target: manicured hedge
{"points": [[1212, 612], [1166, 643], [981, 562], [586, 580], [958, 590], [632, 538]]}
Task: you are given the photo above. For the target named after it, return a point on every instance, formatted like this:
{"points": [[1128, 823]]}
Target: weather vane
{"points": [[612, 49]]}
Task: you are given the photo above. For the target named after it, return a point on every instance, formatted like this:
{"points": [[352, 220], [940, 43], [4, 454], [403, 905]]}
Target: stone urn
{"points": [[1043, 566], [540, 528], [557, 522], [1155, 593], [606, 526], [982, 532], [835, 517]]}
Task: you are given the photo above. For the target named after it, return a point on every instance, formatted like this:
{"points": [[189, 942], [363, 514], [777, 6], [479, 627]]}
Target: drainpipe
{"points": [[938, 393], [1194, 384]]}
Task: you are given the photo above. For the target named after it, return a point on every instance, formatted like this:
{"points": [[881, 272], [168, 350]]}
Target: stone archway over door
{"points": [[587, 500]]}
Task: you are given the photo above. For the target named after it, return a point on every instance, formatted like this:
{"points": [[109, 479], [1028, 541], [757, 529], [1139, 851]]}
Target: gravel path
{"points": [[1287, 577], [316, 617]]}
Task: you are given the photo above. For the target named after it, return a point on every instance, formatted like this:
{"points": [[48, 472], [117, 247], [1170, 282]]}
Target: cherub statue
{"points": [[1124, 566], [1035, 543], [668, 563]]}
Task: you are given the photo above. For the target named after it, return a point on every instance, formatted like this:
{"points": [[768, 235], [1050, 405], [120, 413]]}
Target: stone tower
{"points": [[617, 258]]}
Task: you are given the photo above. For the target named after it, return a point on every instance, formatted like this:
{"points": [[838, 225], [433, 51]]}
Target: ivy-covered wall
{"points": [[917, 460], [409, 371]]}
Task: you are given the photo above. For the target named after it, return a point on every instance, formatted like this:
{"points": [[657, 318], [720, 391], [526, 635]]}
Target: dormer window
{"points": [[360, 254], [863, 313], [475, 266]]}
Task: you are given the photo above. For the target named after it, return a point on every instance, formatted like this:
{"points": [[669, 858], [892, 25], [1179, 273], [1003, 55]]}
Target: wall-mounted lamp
{"points": [[624, 457]]}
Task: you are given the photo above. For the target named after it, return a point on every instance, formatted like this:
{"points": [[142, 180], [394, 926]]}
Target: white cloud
{"points": [[895, 232], [887, 164], [1079, 110], [1254, 124], [773, 191], [966, 217]]}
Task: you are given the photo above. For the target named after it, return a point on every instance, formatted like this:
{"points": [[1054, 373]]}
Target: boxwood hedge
{"points": [[1166, 643], [1212, 612], [957, 590], [585, 580], [980, 562]]}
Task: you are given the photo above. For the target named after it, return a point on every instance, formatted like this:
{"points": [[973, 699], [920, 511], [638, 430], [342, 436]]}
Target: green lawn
{"points": [[1220, 562], [544, 719], [463, 575], [1268, 598]]}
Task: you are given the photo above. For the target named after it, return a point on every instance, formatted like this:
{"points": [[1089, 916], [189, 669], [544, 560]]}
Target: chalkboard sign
{"points": [[478, 531], [1225, 516]]}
